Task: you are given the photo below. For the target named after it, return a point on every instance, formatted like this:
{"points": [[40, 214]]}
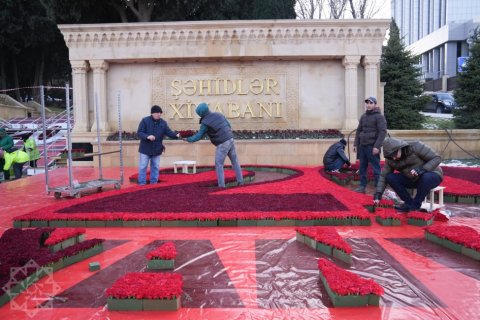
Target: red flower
{"points": [[62, 234], [326, 235], [345, 283], [147, 286], [165, 252]]}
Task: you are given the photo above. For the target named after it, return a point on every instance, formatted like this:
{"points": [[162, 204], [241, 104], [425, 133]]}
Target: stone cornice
{"points": [[267, 37]]}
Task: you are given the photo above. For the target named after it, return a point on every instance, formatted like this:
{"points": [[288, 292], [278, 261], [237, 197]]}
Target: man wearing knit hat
{"points": [[335, 157], [151, 131], [217, 128]]}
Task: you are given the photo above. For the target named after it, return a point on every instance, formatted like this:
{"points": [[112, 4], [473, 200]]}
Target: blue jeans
{"points": [[336, 165], [365, 156], [400, 183], [154, 168], [222, 151]]}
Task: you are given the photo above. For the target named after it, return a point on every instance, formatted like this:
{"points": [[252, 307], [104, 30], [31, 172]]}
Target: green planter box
{"points": [[474, 254], [92, 251], [160, 264], [17, 224], [94, 266], [466, 199], [72, 260], [433, 238], [320, 222], [373, 300], [207, 223], [124, 304], [310, 242], [151, 223], [357, 222], [227, 223], [300, 237], [247, 223], [56, 247], [452, 245], [57, 265], [266, 223], [366, 222], [420, 223], [132, 223], [450, 198], [76, 223], [58, 223], [95, 224], [324, 248], [169, 223], [114, 223], [68, 242], [187, 223], [341, 255], [39, 223], [4, 299], [304, 223], [388, 222], [161, 304], [80, 238], [285, 223], [345, 301]]}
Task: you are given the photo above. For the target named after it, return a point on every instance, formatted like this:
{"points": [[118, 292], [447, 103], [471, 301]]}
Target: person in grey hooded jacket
{"points": [[218, 129], [409, 165]]}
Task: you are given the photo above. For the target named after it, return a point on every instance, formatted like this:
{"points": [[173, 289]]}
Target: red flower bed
{"points": [[61, 234], [346, 283], [166, 251], [17, 246], [326, 235], [420, 216], [303, 196], [387, 213], [463, 235], [137, 285]]}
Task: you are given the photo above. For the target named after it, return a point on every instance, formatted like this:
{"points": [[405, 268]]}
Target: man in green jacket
{"points": [[16, 159], [6, 143], [409, 165]]}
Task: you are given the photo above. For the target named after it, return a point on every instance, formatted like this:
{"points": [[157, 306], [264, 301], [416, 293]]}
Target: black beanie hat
{"points": [[343, 142], [156, 109]]}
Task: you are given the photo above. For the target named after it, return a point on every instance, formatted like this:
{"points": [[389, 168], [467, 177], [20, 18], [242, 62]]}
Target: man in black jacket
{"points": [[335, 156], [151, 131], [371, 131], [409, 165]]}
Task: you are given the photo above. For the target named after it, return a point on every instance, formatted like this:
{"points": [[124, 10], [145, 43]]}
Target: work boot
{"points": [[360, 189]]}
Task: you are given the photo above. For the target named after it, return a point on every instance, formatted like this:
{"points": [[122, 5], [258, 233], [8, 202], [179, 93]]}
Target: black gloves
{"points": [[377, 196], [348, 163], [419, 171]]}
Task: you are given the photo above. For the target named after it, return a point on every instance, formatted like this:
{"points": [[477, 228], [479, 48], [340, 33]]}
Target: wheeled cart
{"points": [[75, 188]]}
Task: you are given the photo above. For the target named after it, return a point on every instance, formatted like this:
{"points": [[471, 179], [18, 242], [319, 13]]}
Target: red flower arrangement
{"points": [[186, 133], [345, 283], [347, 289], [326, 235], [60, 234], [166, 251], [420, 216], [138, 285], [463, 235]]}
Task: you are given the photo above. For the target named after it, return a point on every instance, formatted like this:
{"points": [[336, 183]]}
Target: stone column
{"points": [[80, 96], [100, 68], [370, 63], [351, 91]]}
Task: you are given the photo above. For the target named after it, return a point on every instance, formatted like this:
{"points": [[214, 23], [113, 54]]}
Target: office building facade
{"points": [[437, 31]]}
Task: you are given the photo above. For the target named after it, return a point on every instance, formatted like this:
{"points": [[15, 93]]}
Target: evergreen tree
{"points": [[467, 94], [403, 99]]}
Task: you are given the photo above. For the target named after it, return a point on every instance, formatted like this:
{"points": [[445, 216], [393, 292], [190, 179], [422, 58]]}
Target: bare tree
{"points": [[337, 8], [310, 9], [364, 9]]}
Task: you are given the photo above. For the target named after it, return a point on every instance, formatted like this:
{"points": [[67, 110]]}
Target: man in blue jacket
{"points": [[335, 157], [151, 131], [218, 129]]}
